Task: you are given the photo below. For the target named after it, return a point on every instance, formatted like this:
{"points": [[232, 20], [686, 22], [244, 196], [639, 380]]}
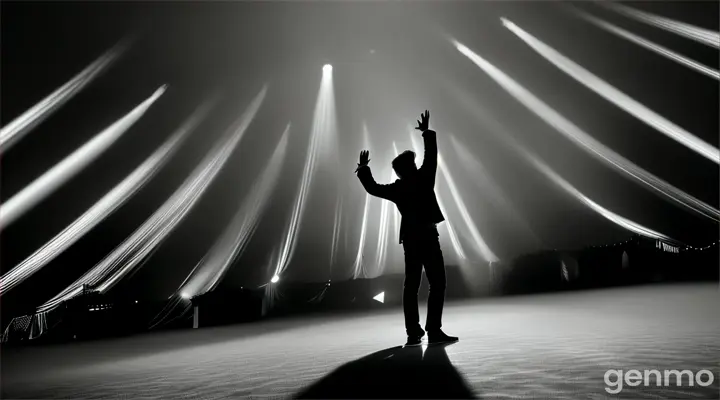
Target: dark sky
{"points": [[198, 47]]}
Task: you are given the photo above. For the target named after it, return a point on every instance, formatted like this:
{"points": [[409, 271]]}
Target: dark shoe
{"points": [[413, 341], [440, 337]]}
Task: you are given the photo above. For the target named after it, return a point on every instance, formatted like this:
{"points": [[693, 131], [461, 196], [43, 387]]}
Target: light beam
{"points": [[454, 240], [700, 35], [656, 48], [358, 267], [13, 132], [576, 135], [233, 241], [322, 137], [137, 247], [617, 97], [113, 200], [66, 169]]}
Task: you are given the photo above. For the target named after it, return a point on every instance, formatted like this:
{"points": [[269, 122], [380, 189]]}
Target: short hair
{"points": [[405, 158]]}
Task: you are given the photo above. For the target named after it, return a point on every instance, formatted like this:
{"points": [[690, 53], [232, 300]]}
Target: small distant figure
{"points": [[414, 195]]}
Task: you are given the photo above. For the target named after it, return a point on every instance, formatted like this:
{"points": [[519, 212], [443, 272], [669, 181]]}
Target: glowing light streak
{"points": [[358, 270], [66, 169], [656, 48], [489, 186], [321, 137], [104, 207], [337, 224], [457, 246], [136, 248], [582, 139], [611, 216], [13, 132], [383, 234], [617, 97], [213, 267], [396, 213], [701, 35]]}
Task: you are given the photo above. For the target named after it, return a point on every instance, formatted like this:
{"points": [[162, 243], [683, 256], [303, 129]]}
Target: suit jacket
{"points": [[414, 196]]}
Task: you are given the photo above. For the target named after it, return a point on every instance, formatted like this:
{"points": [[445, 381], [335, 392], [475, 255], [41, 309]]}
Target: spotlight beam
{"points": [[113, 200], [130, 254], [358, 268], [489, 186], [571, 131], [700, 35], [617, 97], [609, 215], [454, 240], [13, 132], [383, 229], [322, 136], [656, 48], [233, 241], [66, 169]]}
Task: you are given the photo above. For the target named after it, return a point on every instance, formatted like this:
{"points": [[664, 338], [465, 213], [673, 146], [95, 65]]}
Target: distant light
{"points": [[372, 51], [275, 279], [380, 297], [327, 68], [136, 301]]}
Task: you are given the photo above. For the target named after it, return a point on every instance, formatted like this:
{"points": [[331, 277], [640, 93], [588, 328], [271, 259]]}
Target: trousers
{"points": [[422, 249]]}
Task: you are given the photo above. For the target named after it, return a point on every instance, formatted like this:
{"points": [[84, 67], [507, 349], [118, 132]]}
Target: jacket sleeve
{"points": [[373, 188], [430, 159]]}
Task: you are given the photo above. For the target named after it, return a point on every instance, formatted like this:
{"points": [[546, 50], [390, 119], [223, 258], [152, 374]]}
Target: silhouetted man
{"points": [[414, 196]]}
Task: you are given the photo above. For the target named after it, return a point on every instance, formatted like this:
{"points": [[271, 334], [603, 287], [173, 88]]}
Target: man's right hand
{"points": [[424, 122], [364, 159]]}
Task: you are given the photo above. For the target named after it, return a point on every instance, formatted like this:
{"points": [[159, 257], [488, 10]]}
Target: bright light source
{"points": [[327, 68], [380, 297], [136, 301], [275, 279], [185, 295]]}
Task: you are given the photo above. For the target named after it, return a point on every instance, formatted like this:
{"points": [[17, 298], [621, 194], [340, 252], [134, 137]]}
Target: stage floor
{"points": [[540, 346]]}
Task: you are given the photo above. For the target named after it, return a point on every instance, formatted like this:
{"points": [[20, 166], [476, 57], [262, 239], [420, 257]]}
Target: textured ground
{"points": [[545, 346]]}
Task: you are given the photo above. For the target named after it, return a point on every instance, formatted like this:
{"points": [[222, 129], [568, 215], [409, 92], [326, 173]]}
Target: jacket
{"points": [[414, 196]]}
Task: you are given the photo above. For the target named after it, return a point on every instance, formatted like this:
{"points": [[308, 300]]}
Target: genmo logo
{"points": [[616, 379]]}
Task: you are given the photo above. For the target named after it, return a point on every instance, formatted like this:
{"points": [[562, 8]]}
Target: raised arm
{"points": [[430, 159], [365, 175]]}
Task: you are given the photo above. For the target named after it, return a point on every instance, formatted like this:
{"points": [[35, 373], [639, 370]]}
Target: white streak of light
{"points": [[66, 169], [587, 142], [488, 185], [451, 231], [128, 255], [383, 234], [704, 36], [485, 251], [20, 126], [623, 222], [396, 213], [104, 207], [358, 270], [322, 134], [617, 97], [213, 267], [663, 51], [337, 223]]}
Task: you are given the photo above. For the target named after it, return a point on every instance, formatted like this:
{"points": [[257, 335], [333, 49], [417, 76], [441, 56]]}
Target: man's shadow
{"points": [[395, 373]]}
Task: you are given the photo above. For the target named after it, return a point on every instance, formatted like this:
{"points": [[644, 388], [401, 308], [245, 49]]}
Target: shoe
{"points": [[413, 341], [440, 337]]}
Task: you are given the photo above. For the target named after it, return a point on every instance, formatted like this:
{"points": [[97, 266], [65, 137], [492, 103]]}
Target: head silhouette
{"points": [[404, 164]]}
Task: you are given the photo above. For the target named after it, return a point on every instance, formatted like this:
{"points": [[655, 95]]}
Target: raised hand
{"points": [[424, 121], [364, 159]]}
